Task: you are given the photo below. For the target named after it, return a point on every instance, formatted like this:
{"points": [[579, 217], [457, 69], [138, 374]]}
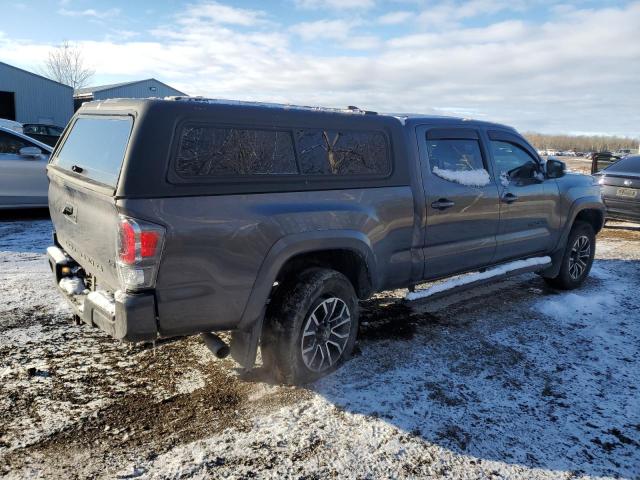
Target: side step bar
{"points": [[471, 280]]}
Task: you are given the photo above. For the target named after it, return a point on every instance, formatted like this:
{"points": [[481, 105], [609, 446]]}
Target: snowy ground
{"points": [[510, 380]]}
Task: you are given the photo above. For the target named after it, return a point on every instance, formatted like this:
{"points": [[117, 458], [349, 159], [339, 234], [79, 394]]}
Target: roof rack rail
{"points": [[219, 101]]}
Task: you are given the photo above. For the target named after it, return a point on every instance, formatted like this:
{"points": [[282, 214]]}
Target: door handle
{"points": [[442, 204], [509, 198]]}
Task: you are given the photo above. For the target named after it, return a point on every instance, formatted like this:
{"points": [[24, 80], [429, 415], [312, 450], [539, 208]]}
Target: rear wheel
{"points": [[577, 259], [311, 327]]}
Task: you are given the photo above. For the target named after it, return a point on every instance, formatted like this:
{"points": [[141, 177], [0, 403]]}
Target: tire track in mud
{"points": [[143, 413]]}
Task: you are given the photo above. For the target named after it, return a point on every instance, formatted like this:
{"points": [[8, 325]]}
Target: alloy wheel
{"points": [[579, 258], [325, 334]]}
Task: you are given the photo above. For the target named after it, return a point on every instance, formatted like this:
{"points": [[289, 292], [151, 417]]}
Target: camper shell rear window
{"points": [[95, 147]]}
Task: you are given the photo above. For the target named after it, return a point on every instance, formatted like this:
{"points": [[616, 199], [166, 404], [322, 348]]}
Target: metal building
{"points": [[136, 89], [30, 98]]}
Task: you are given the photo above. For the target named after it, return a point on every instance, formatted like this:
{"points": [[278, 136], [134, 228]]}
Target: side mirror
{"points": [[30, 152], [556, 168], [527, 172]]}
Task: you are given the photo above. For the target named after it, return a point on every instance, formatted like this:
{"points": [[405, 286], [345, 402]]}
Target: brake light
{"points": [[138, 249], [148, 243], [127, 245]]}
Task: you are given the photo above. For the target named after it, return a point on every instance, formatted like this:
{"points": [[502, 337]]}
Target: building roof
{"points": [[80, 92], [34, 75]]}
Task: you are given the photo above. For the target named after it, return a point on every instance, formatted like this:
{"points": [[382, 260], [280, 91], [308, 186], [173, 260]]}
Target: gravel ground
{"points": [[509, 380]]}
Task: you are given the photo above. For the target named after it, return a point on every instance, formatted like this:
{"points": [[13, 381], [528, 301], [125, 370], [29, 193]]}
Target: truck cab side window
{"points": [[511, 159]]}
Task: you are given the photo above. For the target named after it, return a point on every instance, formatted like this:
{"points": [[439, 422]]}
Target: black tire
{"points": [[289, 316], [570, 276]]}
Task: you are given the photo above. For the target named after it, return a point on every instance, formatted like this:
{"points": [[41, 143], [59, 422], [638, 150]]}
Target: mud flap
{"points": [[556, 263], [244, 344]]}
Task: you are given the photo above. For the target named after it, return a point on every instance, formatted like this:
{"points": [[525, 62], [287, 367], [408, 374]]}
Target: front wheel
{"points": [[311, 327], [577, 259]]}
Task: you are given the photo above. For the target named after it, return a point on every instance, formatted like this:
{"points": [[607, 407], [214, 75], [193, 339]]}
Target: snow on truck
{"points": [[190, 216]]}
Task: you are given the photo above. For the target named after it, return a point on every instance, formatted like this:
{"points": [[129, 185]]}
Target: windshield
{"points": [[625, 165], [95, 148]]}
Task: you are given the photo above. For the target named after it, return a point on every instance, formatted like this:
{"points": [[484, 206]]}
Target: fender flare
{"points": [[291, 245], [578, 205]]}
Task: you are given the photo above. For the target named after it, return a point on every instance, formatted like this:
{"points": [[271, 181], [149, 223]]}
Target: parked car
{"points": [[48, 134], [623, 152], [620, 184], [273, 221], [11, 125], [23, 176], [601, 160]]}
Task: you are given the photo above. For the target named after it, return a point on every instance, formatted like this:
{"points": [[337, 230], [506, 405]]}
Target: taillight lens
{"points": [[127, 244], [139, 248]]}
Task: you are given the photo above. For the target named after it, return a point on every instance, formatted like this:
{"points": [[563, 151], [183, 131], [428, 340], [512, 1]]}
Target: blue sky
{"points": [[543, 65]]}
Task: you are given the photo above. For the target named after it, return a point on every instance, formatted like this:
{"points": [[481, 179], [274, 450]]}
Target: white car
{"points": [[11, 125], [23, 173]]}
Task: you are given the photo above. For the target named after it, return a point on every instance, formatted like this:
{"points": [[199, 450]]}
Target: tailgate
{"points": [[86, 223], [83, 173]]}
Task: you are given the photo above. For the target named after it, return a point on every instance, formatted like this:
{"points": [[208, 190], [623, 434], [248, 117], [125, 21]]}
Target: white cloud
{"points": [[90, 12], [323, 29], [339, 31], [444, 14], [573, 73], [215, 12], [335, 4], [394, 18]]}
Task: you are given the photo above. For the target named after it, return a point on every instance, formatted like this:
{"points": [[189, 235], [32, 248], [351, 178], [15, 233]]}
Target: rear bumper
{"points": [[124, 316], [622, 209]]}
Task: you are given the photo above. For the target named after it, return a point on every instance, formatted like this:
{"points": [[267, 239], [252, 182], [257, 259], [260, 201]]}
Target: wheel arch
{"points": [[588, 209], [346, 251]]}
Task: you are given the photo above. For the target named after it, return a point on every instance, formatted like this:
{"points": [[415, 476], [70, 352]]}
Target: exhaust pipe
{"points": [[216, 345]]}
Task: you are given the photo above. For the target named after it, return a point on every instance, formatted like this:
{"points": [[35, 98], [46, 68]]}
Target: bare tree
{"points": [[65, 64], [583, 143]]}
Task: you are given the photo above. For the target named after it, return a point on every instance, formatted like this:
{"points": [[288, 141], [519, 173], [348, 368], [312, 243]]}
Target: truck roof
{"points": [[405, 119]]}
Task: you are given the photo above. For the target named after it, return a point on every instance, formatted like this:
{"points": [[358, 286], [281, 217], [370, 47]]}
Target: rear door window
{"points": [[457, 155], [95, 148], [626, 165]]}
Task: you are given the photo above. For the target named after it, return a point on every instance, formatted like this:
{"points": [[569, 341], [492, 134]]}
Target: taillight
{"points": [[127, 244], [139, 248]]}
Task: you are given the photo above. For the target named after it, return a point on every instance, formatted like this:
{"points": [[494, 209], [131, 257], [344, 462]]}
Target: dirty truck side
{"points": [[177, 217]]}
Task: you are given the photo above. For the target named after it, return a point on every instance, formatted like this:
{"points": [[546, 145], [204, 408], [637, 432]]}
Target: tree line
{"points": [[580, 143]]}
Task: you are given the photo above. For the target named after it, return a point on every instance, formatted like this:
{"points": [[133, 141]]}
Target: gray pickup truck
{"points": [[190, 216]]}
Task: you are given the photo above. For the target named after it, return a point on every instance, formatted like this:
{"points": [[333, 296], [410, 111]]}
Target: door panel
{"points": [[23, 180], [462, 219], [527, 201]]}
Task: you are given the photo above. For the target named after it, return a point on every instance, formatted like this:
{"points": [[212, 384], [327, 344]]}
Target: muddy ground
{"points": [[510, 380]]}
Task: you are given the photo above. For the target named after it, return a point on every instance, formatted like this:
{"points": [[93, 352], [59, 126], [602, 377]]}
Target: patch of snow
{"points": [[474, 277], [579, 302], [72, 285], [471, 178], [190, 381]]}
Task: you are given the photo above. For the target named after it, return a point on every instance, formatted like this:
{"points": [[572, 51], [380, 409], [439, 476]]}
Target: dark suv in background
{"points": [[184, 216]]}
